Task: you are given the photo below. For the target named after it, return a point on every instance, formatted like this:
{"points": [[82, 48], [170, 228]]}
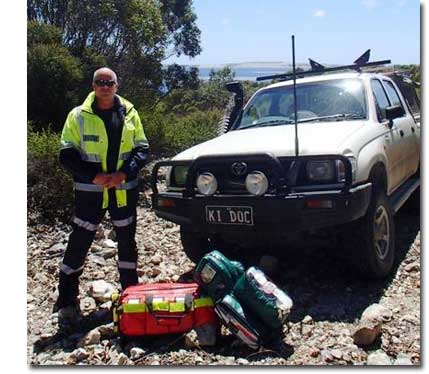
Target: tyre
{"points": [[194, 244], [370, 241]]}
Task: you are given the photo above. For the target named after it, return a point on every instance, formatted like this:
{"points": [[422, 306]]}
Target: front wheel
{"points": [[195, 245], [370, 241]]}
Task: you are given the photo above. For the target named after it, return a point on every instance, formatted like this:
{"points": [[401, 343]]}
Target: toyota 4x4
{"points": [[350, 162]]}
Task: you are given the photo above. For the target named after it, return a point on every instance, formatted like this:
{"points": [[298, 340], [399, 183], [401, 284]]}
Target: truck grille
{"points": [[230, 183]]}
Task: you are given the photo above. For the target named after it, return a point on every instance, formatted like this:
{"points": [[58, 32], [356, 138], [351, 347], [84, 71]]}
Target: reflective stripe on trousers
{"points": [[68, 270], [85, 224], [123, 222], [127, 265]]}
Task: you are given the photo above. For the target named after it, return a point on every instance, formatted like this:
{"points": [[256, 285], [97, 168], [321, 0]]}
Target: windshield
{"points": [[341, 99]]}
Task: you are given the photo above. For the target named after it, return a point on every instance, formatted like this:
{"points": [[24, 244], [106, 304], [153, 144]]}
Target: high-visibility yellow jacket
{"points": [[85, 132]]}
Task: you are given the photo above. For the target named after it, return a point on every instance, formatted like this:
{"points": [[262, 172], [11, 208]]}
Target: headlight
{"points": [[207, 184], [179, 175], [257, 183], [320, 170]]}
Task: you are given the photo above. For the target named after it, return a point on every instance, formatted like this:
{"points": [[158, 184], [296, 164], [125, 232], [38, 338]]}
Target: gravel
{"points": [[329, 301]]}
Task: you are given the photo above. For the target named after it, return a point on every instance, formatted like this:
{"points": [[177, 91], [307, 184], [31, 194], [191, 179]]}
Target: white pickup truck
{"points": [[349, 163]]}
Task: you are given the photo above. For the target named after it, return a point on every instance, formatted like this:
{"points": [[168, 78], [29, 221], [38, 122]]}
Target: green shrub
{"points": [[170, 134], [155, 125], [49, 187], [192, 129]]}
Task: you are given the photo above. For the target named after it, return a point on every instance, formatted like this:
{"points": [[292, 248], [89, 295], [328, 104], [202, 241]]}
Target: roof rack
{"points": [[317, 68]]}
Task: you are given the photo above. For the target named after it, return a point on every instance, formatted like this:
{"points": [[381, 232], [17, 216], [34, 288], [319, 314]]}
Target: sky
{"points": [[329, 31]]}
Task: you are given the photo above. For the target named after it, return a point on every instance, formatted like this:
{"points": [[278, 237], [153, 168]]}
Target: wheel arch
{"points": [[378, 178]]}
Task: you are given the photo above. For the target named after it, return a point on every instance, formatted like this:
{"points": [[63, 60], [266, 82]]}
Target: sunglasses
{"points": [[103, 82]]}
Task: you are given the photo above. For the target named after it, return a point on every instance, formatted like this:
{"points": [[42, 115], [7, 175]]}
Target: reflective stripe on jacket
{"points": [[85, 131]]}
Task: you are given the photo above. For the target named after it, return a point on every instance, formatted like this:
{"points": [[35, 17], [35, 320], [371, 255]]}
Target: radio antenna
{"points": [[294, 97]]}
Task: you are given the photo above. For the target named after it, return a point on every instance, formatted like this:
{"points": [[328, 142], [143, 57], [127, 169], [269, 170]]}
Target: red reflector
{"points": [[167, 203], [319, 204]]}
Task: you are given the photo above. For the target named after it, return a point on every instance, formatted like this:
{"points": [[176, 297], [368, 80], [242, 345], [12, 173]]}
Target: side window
{"points": [[393, 94], [381, 99]]}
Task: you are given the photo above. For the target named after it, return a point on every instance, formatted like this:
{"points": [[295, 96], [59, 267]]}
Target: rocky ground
{"points": [[328, 325]]}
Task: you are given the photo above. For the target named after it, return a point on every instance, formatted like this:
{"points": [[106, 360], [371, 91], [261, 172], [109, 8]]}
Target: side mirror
{"points": [[394, 111]]}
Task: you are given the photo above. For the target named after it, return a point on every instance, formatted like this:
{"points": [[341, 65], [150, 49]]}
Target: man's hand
{"points": [[101, 179], [115, 179]]}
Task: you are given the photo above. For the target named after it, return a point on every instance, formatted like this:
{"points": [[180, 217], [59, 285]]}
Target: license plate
{"points": [[229, 215]]}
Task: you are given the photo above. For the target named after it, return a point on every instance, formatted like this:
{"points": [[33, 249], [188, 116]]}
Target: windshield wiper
{"points": [[268, 123], [337, 117]]}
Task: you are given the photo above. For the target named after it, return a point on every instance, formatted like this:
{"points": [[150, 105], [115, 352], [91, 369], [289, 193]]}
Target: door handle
{"points": [[413, 129], [402, 133]]}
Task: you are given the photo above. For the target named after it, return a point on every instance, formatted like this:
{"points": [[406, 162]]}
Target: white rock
{"points": [[109, 253], [56, 248], [107, 330], [123, 359], [87, 304], [100, 234], [412, 267], [326, 355], [307, 320], [107, 305], [156, 259], [101, 291], [242, 361], [97, 259], [109, 243], [336, 353], [79, 354], [378, 358], [402, 359], [92, 337], [136, 353], [410, 318], [377, 312]]}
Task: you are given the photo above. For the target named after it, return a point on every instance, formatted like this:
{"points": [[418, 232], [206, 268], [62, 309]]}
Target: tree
{"points": [[135, 36], [53, 76], [214, 91]]}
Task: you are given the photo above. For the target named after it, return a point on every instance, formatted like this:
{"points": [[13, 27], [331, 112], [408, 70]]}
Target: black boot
{"points": [[128, 278]]}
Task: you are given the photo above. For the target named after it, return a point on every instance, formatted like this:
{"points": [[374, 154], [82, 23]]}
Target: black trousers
{"points": [[87, 217]]}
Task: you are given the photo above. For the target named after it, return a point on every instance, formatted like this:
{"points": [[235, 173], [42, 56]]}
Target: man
{"points": [[104, 146]]}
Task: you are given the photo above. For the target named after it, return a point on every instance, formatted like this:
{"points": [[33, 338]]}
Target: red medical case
{"points": [[161, 308]]}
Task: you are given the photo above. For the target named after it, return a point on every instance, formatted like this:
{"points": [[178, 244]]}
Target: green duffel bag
{"points": [[217, 275], [263, 298]]}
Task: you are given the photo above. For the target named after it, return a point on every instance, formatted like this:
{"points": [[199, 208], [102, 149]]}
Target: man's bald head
{"points": [[105, 71], [105, 85]]}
